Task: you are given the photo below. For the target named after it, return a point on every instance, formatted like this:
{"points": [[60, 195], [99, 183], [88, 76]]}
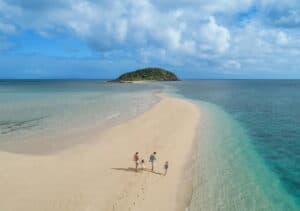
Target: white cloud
{"points": [[208, 6], [254, 40], [172, 32], [282, 38], [121, 29], [106, 26], [292, 17], [214, 36], [7, 28]]}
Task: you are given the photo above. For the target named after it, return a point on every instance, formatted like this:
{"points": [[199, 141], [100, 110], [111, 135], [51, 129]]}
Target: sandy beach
{"points": [[99, 174]]}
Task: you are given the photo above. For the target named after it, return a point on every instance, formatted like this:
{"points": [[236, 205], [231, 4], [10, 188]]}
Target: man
{"points": [[136, 160], [152, 159]]}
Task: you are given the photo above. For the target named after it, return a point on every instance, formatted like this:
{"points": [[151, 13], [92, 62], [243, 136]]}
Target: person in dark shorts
{"points": [[152, 159]]}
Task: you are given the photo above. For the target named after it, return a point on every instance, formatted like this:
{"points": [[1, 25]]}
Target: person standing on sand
{"points": [[136, 160], [166, 166], [143, 164], [152, 159]]}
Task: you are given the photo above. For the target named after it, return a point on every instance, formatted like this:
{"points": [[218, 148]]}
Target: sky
{"points": [[193, 38]]}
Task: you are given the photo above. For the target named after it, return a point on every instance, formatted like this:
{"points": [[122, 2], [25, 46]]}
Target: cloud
{"points": [[6, 44], [207, 34], [107, 26], [282, 38], [214, 36], [281, 13], [290, 19], [207, 6], [232, 64], [7, 28]]}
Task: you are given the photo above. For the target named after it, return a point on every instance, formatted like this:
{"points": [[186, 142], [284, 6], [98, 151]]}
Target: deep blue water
{"points": [[268, 111]]}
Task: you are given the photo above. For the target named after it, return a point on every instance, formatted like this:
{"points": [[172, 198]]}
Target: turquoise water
{"points": [[248, 138], [41, 109], [248, 155]]}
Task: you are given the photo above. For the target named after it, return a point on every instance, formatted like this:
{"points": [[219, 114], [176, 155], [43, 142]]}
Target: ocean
{"points": [[44, 110], [248, 144], [248, 138]]}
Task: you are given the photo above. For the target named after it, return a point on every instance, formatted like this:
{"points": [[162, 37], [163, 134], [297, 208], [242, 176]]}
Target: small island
{"points": [[147, 74]]}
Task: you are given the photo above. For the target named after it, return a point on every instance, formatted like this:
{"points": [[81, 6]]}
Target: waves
{"points": [[43, 110], [7, 127]]}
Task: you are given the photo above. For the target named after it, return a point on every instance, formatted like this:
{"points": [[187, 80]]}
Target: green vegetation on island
{"points": [[147, 74]]}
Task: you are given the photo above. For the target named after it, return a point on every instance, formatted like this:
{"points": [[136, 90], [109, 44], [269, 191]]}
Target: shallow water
{"points": [[248, 141], [248, 144], [35, 109]]}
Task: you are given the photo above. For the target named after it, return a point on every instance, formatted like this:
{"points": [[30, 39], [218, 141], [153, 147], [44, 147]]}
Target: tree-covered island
{"points": [[147, 74]]}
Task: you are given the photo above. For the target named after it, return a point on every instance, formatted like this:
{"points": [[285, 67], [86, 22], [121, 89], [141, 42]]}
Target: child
{"points": [[136, 160], [166, 166], [143, 164]]}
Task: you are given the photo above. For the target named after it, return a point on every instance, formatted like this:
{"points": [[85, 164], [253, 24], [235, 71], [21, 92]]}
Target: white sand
{"points": [[95, 176]]}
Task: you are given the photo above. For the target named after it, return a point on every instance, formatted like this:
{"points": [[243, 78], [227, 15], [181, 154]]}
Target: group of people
{"points": [[152, 159]]}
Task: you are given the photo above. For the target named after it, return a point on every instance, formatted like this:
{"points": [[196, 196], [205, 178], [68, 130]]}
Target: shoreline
{"points": [[71, 137], [97, 175]]}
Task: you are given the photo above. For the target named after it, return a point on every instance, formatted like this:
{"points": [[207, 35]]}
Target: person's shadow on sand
{"points": [[129, 169]]}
